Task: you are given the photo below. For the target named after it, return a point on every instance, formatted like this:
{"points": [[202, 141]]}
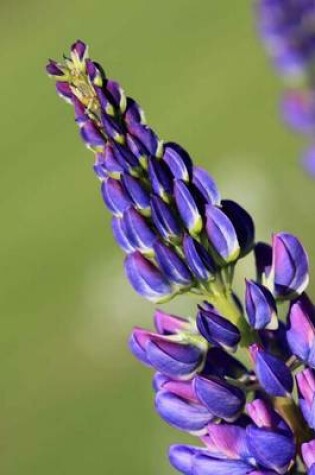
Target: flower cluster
{"points": [[287, 28], [237, 377]]}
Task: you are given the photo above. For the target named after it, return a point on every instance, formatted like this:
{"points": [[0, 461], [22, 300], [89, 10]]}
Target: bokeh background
{"points": [[72, 399]]}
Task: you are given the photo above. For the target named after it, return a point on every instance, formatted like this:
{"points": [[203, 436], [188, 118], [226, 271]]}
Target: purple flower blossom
{"points": [[181, 237]]}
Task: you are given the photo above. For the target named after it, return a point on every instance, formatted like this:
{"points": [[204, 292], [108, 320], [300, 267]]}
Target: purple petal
{"points": [[221, 234], [261, 307], [243, 225], [174, 359], [206, 185], [227, 441], [160, 178], [290, 266], [139, 231], [187, 208], [120, 235], [171, 265], [138, 194], [182, 414], [146, 279], [115, 196], [216, 329], [272, 373], [271, 449], [165, 220], [205, 465], [182, 457], [222, 399], [92, 136], [301, 332], [198, 259], [167, 324], [308, 453], [178, 161]]}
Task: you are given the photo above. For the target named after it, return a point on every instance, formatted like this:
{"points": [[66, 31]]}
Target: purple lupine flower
{"points": [[146, 278], [221, 398], [181, 237], [290, 267], [166, 354], [301, 332], [216, 329], [260, 306], [272, 373], [306, 386], [222, 235]]}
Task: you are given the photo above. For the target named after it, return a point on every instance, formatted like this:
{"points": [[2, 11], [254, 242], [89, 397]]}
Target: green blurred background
{"points": [[72, 399]]}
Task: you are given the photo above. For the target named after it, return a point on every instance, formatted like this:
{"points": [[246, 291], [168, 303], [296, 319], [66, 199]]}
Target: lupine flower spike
{"points": [[287, 29], [227, 377]]}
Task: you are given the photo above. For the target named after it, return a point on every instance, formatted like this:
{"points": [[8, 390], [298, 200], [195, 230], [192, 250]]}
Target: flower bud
{"points": [[120, 235], [139, 231], [146, 279], [125, 158], [222, 235], [206, 186], [182, 414], [301, 332], [171, 265], [165, 220], [160, 179], [112, 128], [115, 196], [137, 150], [167, 324], [138, 194], [178, 161], [106, 164], [57, 70], [306, 385], [64, 91], [147, 137], [261, 307], [216, 329], [221, 398], [116, 95], [92, 136], [272, 449], [95, 74], [187, 208], [176, 360], [198, 259], [79, 51], [133, 113], [242, 223], [290, 269], [272, 373]]}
